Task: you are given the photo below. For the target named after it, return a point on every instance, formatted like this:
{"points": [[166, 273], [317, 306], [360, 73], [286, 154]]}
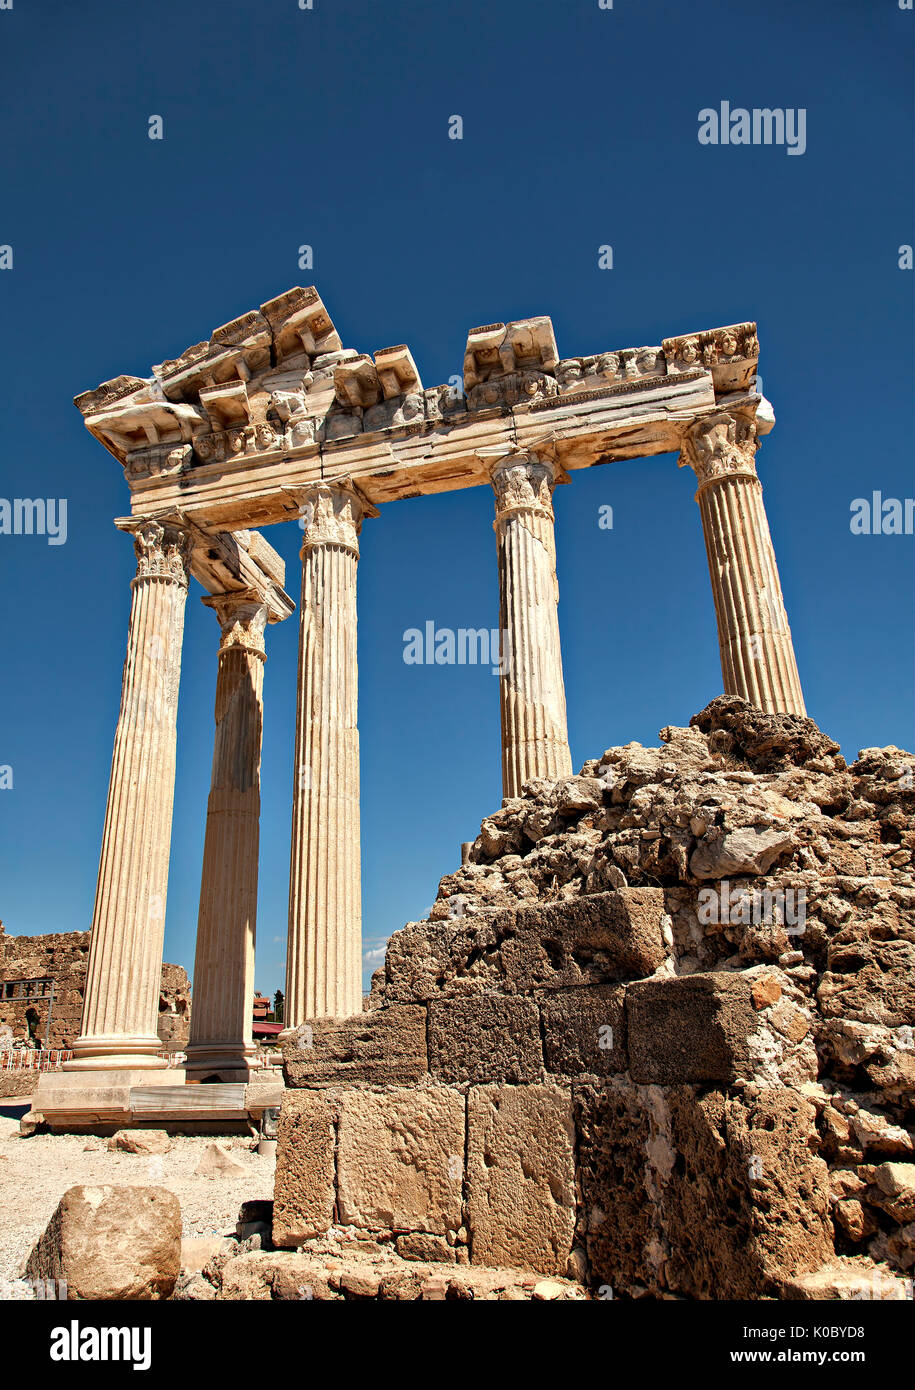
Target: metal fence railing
{"points": [[34, 1058], [174, 1059]]}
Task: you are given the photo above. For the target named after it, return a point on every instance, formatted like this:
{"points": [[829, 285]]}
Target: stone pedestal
{"points": [[535, 740], [757, 654], [120, 1007], [324, 951], [221, 1045]]}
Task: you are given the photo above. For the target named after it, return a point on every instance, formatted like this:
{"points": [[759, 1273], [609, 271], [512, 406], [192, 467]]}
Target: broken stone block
{"points": [[401, 1159], [521, 1177], [217, 1162], [111, 1242], [745, 851], [849, 1279], [485, 1037], [894, 1191], [382, 1047], [690, 1028], [197, 1251], [140, 1141], [417, 1245], [304, 1194], [586, 940], [248, 1278], [584, 1030]]}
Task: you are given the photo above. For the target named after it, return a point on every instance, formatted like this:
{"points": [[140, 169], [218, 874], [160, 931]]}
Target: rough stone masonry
{"points": [[655, 1035]]}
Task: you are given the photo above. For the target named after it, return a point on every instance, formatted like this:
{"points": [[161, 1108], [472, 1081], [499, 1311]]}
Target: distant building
{"points": [[42, 976]]}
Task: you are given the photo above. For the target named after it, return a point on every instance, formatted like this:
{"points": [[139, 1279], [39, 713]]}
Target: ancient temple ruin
{"points": [[272, 420]]}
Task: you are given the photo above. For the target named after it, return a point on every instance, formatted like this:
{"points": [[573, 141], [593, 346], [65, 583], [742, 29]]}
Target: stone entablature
{"points": [[273, 402]]}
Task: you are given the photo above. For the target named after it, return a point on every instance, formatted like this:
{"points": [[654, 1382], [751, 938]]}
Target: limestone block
{"points": [[140, 1141], [584, 1030], [521, 1177], [401, 1159], [613, 1128], [586, 940], [417, 1245], [248, 1277], [754, 1158], [485, 1037], [384, 1047], [304, 1193], [692, 1028], [111, 1242], [869, 979]]}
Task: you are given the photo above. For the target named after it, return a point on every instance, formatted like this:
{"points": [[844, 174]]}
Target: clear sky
{"points": [[329, 127]]}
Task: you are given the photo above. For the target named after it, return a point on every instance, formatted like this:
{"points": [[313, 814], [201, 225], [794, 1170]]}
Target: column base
{"points": [[133, 1052], [219, 1062]]}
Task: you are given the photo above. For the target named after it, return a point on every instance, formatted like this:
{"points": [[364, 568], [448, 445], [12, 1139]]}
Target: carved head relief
{"points": [[569, 373], [689, 352], [727, 345]]}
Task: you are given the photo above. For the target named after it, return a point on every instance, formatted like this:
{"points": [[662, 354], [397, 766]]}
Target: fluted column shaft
{"points": [[754, 638], [535, 739], [221, 1041], [120, 1008], [324, 948]]}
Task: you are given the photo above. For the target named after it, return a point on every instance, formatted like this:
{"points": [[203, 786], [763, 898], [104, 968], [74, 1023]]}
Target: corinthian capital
{"points": [[242, 618], [720, 445], [332, 514], [163, 550], [523, 483]]}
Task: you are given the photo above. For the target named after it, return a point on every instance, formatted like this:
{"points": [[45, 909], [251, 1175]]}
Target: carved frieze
{"points": [[730, 354], [576, 374], [515, 388], [159, 461], [257, 438]]}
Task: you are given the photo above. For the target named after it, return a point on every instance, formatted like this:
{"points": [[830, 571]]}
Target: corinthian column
{"points": [[220, 1041], [757, 655], [535, 738], [121, 1004], [324, 950]]}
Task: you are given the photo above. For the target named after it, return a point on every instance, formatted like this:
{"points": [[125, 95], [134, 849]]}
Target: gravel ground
{"points": [[35, 1173]]}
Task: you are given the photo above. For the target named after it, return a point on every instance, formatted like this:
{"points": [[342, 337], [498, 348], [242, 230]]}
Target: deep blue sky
{"points": [[329, 127]]}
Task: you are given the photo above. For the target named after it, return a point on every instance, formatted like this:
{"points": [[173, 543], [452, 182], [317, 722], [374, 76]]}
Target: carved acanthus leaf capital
{"points": [[523, 482], [332, 514], [721, 445], [163, 550], [243, 617]]}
